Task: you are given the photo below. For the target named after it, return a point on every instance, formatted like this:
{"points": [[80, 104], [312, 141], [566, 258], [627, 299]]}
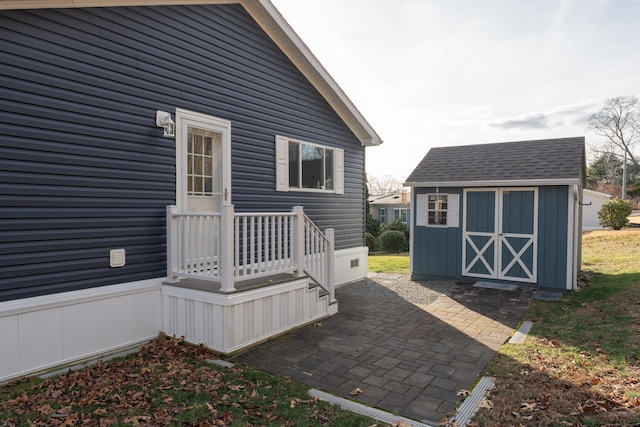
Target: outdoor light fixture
{"points": [[163, 120]]}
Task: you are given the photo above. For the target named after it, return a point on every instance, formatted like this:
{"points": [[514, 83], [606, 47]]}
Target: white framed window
{"points": [[437, 210], [401, 214], [203, 157], [382, 214], [304, 166]]}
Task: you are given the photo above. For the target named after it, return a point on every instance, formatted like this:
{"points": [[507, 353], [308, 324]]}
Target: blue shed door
{"points": [[500, 234]]}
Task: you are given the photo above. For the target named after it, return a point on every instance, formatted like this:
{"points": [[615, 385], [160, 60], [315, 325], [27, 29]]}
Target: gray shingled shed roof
{"points": [[538, 162]]}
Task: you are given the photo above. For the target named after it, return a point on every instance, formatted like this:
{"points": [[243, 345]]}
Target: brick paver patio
{"points": [[407, 358]]}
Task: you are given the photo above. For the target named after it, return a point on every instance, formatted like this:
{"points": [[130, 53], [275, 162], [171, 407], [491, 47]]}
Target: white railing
{"points": [[229, 247], [319, 255], [263, 244]]}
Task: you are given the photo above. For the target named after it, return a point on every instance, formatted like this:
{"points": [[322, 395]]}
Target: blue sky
{"points": [[429, 73]]}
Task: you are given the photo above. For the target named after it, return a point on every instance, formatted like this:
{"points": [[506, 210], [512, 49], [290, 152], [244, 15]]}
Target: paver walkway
{"points": [[409, 346]]}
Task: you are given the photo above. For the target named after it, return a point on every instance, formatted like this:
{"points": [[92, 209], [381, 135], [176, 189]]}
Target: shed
{"points": [[505, 213]]}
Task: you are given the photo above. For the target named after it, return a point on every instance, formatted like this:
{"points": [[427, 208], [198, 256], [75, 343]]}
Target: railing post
{"points": [[172, 243], [298, 240], [331, 269], [227, 275]]}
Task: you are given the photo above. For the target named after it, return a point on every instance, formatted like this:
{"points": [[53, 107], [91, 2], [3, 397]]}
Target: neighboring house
{"points": [[169, 168], [591, 203], [505, 213], [387, 209]]}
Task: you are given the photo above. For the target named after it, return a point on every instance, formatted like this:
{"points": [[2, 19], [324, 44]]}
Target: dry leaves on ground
{"points": [[167, 382]]}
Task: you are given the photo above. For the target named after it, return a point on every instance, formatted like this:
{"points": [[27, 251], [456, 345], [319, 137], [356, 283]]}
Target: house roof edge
{"points": [[496, 183]]}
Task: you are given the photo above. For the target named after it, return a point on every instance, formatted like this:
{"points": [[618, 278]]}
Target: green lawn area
{"points": [[389, 263], [583, 351]]}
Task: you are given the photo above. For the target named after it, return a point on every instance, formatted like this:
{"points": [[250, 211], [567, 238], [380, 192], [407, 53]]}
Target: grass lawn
{"points": [[580, 364], [389, 263]]}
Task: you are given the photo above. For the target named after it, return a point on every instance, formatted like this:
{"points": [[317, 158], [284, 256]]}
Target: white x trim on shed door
{"points": [[500, 230]]}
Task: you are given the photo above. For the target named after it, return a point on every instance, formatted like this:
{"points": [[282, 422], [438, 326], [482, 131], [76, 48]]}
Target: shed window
{"points": [[304, 166], [437, 209]]}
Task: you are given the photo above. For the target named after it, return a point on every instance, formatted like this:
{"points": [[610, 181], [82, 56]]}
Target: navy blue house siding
{"points": [[83, 169]]}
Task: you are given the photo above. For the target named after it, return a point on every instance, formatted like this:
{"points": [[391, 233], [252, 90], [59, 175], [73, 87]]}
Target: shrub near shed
{"points": [[614, 213], [393, 241]]}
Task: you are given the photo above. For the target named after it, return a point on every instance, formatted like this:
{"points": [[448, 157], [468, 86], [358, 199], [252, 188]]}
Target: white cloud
{"points": [[563, 116]]}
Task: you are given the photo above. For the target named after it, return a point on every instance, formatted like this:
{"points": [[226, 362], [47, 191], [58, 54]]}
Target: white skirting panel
{"points": [[44, 332], [351, 264], [229, 323]]}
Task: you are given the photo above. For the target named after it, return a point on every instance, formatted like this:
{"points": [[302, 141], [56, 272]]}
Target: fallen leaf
{"points": [[528, 407], [486, 404], [545, 400], [463, 393], [356, 391], [138, 420]]}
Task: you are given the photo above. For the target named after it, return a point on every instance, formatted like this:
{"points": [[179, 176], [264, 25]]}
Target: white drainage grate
{"points": [[470, 405], [361, 409], [521, 333]]}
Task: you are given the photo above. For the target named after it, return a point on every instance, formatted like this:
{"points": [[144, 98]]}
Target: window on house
{"points": [[437, 209], [304, 166], [202, 157], [382, 214], [401, 214], [310, 166]]}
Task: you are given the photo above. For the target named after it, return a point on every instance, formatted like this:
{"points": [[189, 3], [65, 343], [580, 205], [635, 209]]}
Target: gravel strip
{"points": [[397, 286]]}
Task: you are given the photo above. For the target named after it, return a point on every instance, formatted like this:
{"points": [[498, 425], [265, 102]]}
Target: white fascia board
{"points": [[501, 183], [274, 24], [57, 4]]}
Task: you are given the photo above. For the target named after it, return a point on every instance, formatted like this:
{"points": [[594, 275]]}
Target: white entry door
{"points": [[203, 185], [203, 162], [500, 234]]}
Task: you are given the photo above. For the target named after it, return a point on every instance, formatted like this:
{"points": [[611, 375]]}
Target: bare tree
{"points": [[383, 185], [618, 122]]}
